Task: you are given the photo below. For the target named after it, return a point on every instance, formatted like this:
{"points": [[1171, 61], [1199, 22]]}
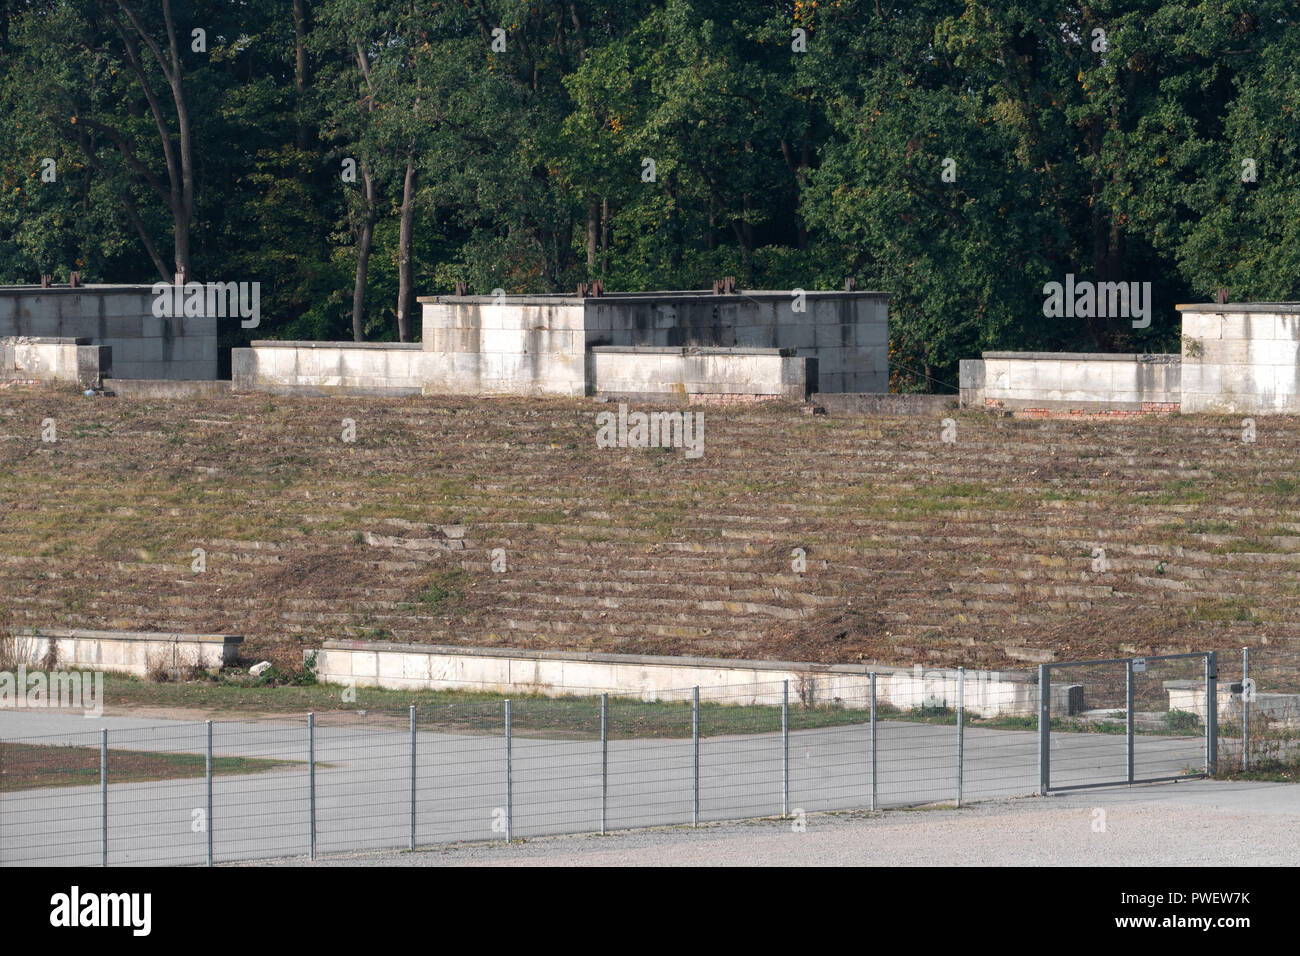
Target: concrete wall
{"points": [[166, 390], [126, 652], [1189, 696], [327, 368], [534, 345], [1241, 358], [121, 317], [559, 673], [54, 360], [1084, 381], [850, 403], [540, 344], [846, 332], [648, 374]]}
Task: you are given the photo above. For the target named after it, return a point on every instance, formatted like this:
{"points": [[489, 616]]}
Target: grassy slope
{"points": [[978, 553]]}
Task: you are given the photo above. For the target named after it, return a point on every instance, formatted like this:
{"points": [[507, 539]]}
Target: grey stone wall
{"points": [[846, 332], [540, 344], [119, 316]]}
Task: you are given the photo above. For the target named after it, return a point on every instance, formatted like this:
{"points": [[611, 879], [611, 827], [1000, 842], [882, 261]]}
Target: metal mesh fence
{"points": [[999, 735], [1088, 709], [460, 774], [1128, 720], [1259, 710], [650, 761], [157, 795], [362, 780], [555, 766], [50, 800], [1169, 718], [480, 767], [260, 785]]}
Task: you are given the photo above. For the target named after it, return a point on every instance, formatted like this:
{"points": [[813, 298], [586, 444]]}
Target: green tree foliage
{"points": [[956, 154]]}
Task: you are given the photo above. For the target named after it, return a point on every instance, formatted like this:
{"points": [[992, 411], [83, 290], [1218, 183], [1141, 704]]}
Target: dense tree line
{"points": [[351, 154]]}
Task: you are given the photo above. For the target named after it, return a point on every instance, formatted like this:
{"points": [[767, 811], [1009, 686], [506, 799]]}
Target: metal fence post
{"points": [[1044, 728], [510, 794], [1211, 713], [604, 759], [1128, 716], [961, 727], [785, 749], [411, 842], [1246, 694], [103, 797], [207, 772], [311, 783], [695, 759], [875, 777]]}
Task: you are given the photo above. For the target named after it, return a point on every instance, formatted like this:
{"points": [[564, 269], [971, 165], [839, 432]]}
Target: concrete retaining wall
{"points": [[540, 344], [327, 368], [527, 345], [1189, 696], [846, 332], [1241, 358], [559, 673], [54, 360], [1066, 380], [161, 389], [848, 403], [648, 374], [121, 317], [126, 652]]}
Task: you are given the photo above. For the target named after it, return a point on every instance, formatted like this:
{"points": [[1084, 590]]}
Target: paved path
{"points": [[363, 783]]}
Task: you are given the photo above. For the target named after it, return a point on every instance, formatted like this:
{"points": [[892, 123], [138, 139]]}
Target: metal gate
{"points": [[1127, 720]]}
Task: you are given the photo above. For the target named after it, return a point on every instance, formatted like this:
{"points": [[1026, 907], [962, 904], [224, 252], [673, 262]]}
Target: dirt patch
{"points": [[39, 766], [841, 636]]}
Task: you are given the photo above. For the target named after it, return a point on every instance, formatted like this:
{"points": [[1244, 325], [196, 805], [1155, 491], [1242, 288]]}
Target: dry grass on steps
{"points": [[980, 552]]}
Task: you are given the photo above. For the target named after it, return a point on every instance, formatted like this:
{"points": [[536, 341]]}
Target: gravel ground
{"points": [[1194, 823]]}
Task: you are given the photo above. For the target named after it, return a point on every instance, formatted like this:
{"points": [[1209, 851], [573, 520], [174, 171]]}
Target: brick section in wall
{"points": [[1080, 414], [699, 398]]}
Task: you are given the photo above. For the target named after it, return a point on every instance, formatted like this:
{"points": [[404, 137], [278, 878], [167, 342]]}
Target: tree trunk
{"points": [[300, 68], [364, 241], [404, 252], [180, 171], [604, 235], [368, 226], [801, 227], [593, 234], [185, 215]]}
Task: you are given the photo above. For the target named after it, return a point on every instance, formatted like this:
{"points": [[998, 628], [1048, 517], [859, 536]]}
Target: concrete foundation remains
{"points": [[124, 652], [54, 361], [323, 368], [120, 317], [1088, 382], [633, 373], [1241, 358], [663, 345], [1237, 359], [650, 678], [542, 344]]}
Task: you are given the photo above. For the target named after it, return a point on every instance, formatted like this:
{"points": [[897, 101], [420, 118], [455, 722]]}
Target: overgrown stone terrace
{"points": [[979, 552]]}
